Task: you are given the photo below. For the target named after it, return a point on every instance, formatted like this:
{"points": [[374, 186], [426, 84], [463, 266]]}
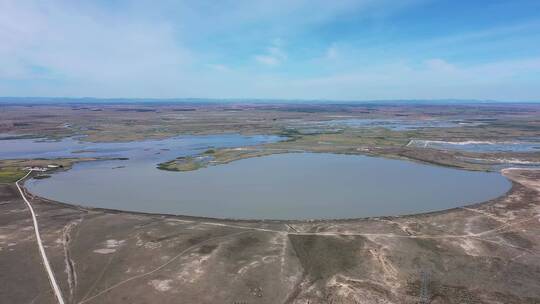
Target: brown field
{"points": [[486, 253]]}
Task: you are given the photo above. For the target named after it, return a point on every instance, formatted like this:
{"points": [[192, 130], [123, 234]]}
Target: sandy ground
{"points": [[486, 253]]}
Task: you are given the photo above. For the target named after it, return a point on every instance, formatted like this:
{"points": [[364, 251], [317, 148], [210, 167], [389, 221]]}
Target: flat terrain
{"points": [[308, 127], [124, 122], [488, 253]]}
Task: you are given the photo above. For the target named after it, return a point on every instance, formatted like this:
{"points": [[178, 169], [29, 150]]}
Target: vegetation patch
{"points": [[323, 256], [214, 157], [10, 174], [12, 170], [181, 164]]}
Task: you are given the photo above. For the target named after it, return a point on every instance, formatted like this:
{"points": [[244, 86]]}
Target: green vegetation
{"points": [[224, 156], [358, 141], [181, 164], [299, 124], [290, 134], [10, 174], [13, 169], [214, 157], [375, 137]]}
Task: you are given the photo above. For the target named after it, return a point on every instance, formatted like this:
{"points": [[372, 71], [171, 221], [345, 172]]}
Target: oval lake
{"points": [[281, 186]]}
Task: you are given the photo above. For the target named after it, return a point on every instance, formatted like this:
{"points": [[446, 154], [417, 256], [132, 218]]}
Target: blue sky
{"points": [[338, 50]]}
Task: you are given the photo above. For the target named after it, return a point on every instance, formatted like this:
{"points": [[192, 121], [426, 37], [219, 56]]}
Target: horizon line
{"points": [[126, 100]]}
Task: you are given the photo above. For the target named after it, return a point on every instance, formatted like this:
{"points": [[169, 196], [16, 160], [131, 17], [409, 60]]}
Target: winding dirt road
{"points": [[52, 280]]}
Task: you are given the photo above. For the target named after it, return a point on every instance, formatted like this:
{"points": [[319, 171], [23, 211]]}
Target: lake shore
{"points": [[153, 252]]}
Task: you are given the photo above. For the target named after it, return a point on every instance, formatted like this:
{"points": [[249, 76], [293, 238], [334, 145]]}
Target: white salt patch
{"points": [[110, 246], [104, 251], [161, 285]]}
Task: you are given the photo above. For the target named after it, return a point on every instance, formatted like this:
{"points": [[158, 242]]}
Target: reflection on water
{"points": [[286, 186]]}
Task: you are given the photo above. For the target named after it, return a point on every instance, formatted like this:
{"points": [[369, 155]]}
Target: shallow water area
{"points": [[154, 149], [479, 146], [391, 124]]}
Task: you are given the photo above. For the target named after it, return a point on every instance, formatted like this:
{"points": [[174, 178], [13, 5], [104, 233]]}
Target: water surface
{"points": [[163, 149], [479, 146], [285, 186], [388, 123]]}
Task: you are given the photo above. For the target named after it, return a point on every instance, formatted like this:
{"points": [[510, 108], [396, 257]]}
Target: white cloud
{"points": [[267, 60], [180, 49], [332, 52], [88, 48], [274, 54], [435, 78], [218, 67], [438, 64]]}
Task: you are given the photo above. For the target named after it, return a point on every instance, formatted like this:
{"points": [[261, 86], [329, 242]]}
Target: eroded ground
{"points": [[488, 253]]}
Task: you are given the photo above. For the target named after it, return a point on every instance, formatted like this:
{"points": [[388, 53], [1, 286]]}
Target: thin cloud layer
{"points": [[265, 49]]}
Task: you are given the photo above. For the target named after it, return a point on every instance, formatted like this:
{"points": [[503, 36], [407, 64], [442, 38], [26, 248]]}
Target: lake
{"points": [[283, 186]]}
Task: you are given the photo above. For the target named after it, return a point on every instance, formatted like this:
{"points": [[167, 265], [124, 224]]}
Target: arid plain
{"points": [[483, 253]]}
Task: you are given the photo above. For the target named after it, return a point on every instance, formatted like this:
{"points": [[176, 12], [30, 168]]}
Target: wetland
{"points": [[284, 186]]}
